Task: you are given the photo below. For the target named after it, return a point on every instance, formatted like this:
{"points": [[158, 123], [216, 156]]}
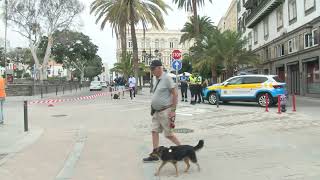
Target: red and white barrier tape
{"points": [[50, 101]]}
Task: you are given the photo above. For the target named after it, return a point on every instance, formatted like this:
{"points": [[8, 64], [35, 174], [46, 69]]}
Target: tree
{"points": [[126, 67], [131, 13], [76, 51], [107, 10], [192, 5], [23, 56], [34, 19], [205, 28]]}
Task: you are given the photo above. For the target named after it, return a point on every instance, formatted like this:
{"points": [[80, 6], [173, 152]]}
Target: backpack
{"points": [[116, 96]]}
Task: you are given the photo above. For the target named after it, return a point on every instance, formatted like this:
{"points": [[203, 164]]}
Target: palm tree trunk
{"points": [[134, 43], [123, 39], [214, 74], [195, 16]]}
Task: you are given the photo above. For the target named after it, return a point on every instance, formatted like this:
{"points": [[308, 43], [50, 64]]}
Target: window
{"points": [[279, 17], [234, 81], [266, 27], [292, 46], [171, 45], [309, 5], [307, 40], [292, 11], [315, 36], [156, 44], [254, 80], [279, 50], [255, 35], [250, 41], [130, 44]]}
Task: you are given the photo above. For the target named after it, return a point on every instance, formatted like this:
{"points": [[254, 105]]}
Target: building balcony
{"points": [[259, 9]]}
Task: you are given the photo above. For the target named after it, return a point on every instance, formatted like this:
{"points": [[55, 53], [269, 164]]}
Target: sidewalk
{"points": [[12, 136]]}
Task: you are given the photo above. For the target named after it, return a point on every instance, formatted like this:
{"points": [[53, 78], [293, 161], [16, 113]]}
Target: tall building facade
{"points": [[155, 44], [285, 35], [229, 20]]}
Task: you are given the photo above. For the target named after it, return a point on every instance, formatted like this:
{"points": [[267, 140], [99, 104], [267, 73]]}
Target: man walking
{"points": [[132, 86], [2, 97], [184, 87], [163, 106], [198, 88]]}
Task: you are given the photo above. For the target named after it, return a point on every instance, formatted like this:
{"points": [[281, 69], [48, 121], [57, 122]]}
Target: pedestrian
{"points": [[192, 87], [204, 86], [198, 88], [2, 97], [163, 107], [184, 87], [132, 86], [122, 85]]}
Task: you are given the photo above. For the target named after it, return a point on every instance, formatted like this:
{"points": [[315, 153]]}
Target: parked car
{"points": [[104, 84], [95, 85], [251, 88]]}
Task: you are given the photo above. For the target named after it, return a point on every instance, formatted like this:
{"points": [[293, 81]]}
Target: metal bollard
{"points": [[267, 102], [217, 100], [294, 102], [279, 104], [41, 92], [25, 107], [62, 89], [56, 90]]}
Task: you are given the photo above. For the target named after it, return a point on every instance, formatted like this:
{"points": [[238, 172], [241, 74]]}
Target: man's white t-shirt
{"points": [[132, 82]]}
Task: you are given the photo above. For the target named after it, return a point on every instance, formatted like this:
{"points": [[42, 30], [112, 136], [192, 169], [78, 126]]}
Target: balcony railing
{"points": [[259, 9]]}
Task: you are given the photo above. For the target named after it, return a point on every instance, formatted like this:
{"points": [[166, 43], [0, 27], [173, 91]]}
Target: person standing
{"points": [[163, 107], [198, 88], [132, 86], [192, 87], [184, 87], [2, 97]]}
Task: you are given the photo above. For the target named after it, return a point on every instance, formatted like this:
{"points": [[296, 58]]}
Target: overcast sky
{"points": [[107, 44]]}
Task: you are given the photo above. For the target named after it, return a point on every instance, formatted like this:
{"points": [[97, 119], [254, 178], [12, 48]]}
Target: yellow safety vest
{"points": [[192, 80], [198, 80]]}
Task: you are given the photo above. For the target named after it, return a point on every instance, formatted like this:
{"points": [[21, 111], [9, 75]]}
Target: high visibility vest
{"points": [[198, 80], [192, 80], [2, 88]]}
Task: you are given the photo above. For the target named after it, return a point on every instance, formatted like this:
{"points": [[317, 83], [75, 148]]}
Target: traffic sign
{"points": [[177, 65], [176, 54]]}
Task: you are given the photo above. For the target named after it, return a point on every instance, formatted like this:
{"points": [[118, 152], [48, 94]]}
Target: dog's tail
{"points": [[199, 145]]}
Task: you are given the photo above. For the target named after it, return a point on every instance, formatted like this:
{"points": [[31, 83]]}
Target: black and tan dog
{"points": [[174, 154]]}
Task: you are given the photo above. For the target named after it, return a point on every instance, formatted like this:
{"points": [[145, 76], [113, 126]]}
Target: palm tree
{"points": [[131, 13], [192, 5], [233, 51], [109, 11], [205, 28], [126, 67]]}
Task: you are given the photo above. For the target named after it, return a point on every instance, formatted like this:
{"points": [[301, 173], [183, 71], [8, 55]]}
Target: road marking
{"points": [[69, 166]]}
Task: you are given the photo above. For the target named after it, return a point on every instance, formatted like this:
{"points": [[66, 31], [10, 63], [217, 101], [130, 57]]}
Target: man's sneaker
{"points": [[186, 101], [152, 158], [182, 100]]}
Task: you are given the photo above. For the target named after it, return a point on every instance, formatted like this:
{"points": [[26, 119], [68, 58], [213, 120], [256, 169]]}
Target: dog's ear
{"points": [[160, 149]]}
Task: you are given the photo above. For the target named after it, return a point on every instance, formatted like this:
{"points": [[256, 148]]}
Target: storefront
{"points": [[312, 76]]}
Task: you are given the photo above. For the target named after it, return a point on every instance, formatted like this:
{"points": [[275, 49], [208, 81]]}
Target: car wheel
{"points": [[261, 100], [212, 98]]}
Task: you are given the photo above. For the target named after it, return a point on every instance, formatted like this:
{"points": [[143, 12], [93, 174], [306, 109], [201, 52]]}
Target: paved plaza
{"points": [[107, 139]]}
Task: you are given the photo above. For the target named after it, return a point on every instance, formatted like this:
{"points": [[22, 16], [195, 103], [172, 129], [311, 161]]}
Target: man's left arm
{"points": [[174, 100]]}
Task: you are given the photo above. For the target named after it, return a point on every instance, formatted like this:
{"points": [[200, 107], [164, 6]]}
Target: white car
{"points": [[95, 85], [104, 84]]}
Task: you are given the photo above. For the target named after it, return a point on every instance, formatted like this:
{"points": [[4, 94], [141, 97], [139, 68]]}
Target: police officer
{"points": [[184, 87], [192, 86], [198, 88]]}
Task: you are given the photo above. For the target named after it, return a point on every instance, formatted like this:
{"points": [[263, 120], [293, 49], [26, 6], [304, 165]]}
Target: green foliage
{"points": [[126, 67]]}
